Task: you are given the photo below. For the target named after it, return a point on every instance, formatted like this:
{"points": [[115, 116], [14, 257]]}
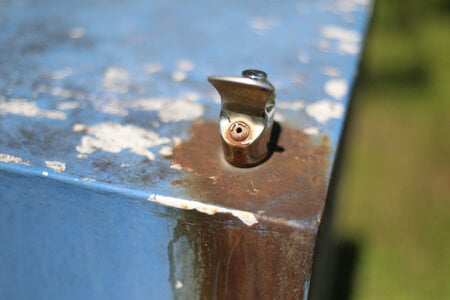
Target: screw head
{"points": [[239, 131], [254, 74]]}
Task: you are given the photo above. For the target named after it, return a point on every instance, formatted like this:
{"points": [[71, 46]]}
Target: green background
{"points": [[393, 212]]}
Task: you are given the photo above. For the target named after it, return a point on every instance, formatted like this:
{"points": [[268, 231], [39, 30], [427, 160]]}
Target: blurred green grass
{"points": [[394, 197]]}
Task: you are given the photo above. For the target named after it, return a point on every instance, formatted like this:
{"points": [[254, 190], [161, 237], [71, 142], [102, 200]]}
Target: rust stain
{"points": [[291, 184], [232, 261], [269, 260]]}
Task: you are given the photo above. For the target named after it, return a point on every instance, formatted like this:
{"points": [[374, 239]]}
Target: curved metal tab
{"points": [[246, 116]]}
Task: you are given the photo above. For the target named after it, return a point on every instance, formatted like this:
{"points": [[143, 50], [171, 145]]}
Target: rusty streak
{"points": [[271, 259]]}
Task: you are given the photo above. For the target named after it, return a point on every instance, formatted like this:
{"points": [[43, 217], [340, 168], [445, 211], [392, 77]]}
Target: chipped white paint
{"points": [[78, 127], [325, 110], [349, 48], [330, 71], [77, 33], [13, 159], [111, 107], [185, 65], [44, 173], [336, 88], [115, 137], [311, 130], [26, 108], [153, 67], [348, 40], [116, 80], [89, 179], [166, 151], [180, 111], [190, 96], [304, 57], [292, 105], [247, 218], [62, 93], [349, 6], [180, 108], [149, 103], [262, 24], [56, 166], [68, 105], [176, 166], [178, 76], [178, 285], [61, 74]]}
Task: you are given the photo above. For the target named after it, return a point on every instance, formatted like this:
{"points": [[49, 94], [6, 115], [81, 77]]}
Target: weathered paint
{"points": [[99, 112], [245, 217], [287, 193]]}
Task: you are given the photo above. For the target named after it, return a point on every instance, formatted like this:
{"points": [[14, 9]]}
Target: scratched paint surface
{"points": [[100, 94], [110, 99]]}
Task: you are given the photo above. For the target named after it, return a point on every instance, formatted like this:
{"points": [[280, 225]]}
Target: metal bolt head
{"points": [[239, 131], [254, 74]]}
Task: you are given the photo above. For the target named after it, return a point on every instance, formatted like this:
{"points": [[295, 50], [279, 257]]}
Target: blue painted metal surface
{"points": [[94, 97]]}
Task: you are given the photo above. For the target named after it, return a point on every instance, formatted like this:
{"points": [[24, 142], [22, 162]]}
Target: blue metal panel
{"points": [[96, 96]]}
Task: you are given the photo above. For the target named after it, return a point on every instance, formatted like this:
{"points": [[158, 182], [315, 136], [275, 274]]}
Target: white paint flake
{"points": [[185, 65], [262, 24], [62, 93], [180, 108], [247, 218], [336, 88], [176, 166], [330, 71], [13, 159], [311, 130], [304, 57], [56, 166], [291, 105], [153, 67], [112, 107], [349, 6], [78, 127], [180, 111], [77, 33], [116, 80], [340, 33], [61, 74], [114, 137], [89, 179], [178, 285], [166, 151], [349, 48], [325, 110], [179, 76], [68, 105], [23, 107], [348, 40]]}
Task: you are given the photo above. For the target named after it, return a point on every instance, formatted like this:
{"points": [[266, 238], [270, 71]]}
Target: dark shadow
{"points": [[347, 255], [274, 136]]}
